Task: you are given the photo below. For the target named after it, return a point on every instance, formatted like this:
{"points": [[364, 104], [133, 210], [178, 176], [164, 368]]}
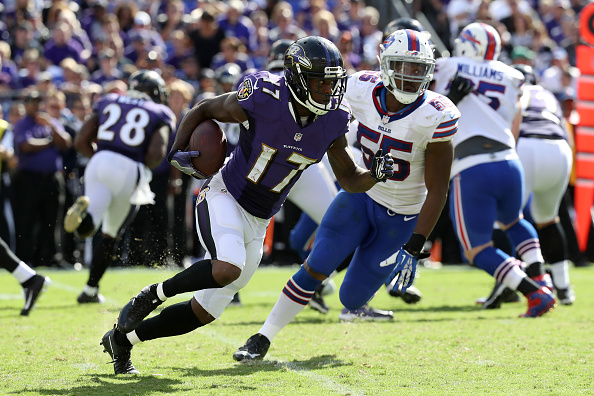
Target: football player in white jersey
{"points": [[388, 224], [487, 179], [547, 159]]}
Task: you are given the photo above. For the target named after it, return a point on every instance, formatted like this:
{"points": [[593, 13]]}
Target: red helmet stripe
{"points": [[490, 53], [413, 40]]}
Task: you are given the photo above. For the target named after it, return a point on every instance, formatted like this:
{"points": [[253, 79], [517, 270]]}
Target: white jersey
{"points": [[490, 109], [405, 134]]}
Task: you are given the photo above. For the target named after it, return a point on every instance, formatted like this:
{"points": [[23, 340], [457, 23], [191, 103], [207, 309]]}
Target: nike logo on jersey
{"points": [[409, 218]]}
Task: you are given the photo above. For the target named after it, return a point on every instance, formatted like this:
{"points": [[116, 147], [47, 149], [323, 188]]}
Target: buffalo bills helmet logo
{"points": [[466, 36], [297, 55], [389, 40]]}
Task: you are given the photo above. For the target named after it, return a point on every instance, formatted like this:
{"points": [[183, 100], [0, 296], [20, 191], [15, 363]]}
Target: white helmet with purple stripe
{"points": [[406, 64], [478, 41]]}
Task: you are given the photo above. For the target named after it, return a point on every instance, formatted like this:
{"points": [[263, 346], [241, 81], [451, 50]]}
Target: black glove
{"points": [[459, 88], [382, 167]]}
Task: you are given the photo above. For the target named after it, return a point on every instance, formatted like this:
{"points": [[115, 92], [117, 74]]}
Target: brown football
{"points": [[209, 139]]}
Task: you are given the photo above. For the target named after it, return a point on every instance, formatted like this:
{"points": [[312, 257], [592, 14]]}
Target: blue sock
{"points": [[489, 259], [520, 232], [524, 238], [300, 288]]}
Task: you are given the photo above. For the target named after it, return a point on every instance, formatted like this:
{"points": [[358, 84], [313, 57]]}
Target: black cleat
{"points": [[412, 295], [566, 296], [120, 355], [255, 348], [317, 301], [138, 308], [84, 298], [499, 294], [236, 302], [39, 284]]}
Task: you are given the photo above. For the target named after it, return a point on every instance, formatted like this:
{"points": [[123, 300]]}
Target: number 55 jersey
{"points": [[405, 134]]}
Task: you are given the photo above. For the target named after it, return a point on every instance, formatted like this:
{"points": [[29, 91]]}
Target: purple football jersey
{"points": [[127, 124], [542, 114], [273, 150]]}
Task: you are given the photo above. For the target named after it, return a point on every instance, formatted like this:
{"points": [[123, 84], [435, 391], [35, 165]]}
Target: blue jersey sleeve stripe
{"points": [[447, 123], [438, 135]]}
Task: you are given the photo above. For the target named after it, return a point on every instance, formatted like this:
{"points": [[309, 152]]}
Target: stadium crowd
{"points": [[59, 57]]}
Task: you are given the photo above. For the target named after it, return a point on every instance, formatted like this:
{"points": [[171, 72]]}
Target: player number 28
{"points": [[132, 132]]}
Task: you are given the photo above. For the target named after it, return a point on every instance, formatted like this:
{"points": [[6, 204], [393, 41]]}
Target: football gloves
{"points": [[382, 167], [406, 259], [459, 88], [182, 160]]}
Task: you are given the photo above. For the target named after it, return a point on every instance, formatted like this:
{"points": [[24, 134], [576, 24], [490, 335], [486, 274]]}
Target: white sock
{"points": [[514, 277], [532, 255], [160, 293], [133, 338], [560, 273], [283, 312], [23, 273], [90, 290]]}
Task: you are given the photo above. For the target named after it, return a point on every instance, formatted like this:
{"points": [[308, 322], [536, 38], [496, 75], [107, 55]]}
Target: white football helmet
{"points": [[406, 64], [478, 41]]}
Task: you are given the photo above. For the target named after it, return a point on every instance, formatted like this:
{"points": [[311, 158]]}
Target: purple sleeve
{"points": [[21, 133], [245, 92]]}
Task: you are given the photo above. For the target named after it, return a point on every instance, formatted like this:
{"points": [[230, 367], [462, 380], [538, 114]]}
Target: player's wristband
{"points": [[415, 244]]}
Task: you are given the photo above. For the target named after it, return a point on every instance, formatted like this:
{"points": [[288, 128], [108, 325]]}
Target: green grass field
{"points": [[444, 345]]}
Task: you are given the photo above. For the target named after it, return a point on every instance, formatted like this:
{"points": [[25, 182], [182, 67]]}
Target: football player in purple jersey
{"points": [[124, 138], [388, 224], [287, 124]]}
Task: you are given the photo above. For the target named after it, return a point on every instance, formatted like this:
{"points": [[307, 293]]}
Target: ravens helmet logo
{"points": [[297, 55]]}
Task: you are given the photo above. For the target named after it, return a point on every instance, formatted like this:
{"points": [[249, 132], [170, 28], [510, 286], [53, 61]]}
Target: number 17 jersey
{"points": [[273, 150]]}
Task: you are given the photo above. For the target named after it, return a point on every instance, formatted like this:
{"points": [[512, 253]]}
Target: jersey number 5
{"points": [[369, 140], [485, 87]]}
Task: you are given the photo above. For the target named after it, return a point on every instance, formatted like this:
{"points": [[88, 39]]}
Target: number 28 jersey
{"points": [[273, 150], [126, 124], [405, 134]]}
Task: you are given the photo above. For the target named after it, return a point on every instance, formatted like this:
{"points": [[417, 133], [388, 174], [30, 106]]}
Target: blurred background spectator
{"points": [[85, 48]]}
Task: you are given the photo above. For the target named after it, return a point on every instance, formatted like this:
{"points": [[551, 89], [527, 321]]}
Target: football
{"points": [[209, 139]]}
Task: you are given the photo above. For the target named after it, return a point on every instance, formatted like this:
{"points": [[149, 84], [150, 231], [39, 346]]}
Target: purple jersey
{"points": [[273, 150], [127, 124], [541, 114]]}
